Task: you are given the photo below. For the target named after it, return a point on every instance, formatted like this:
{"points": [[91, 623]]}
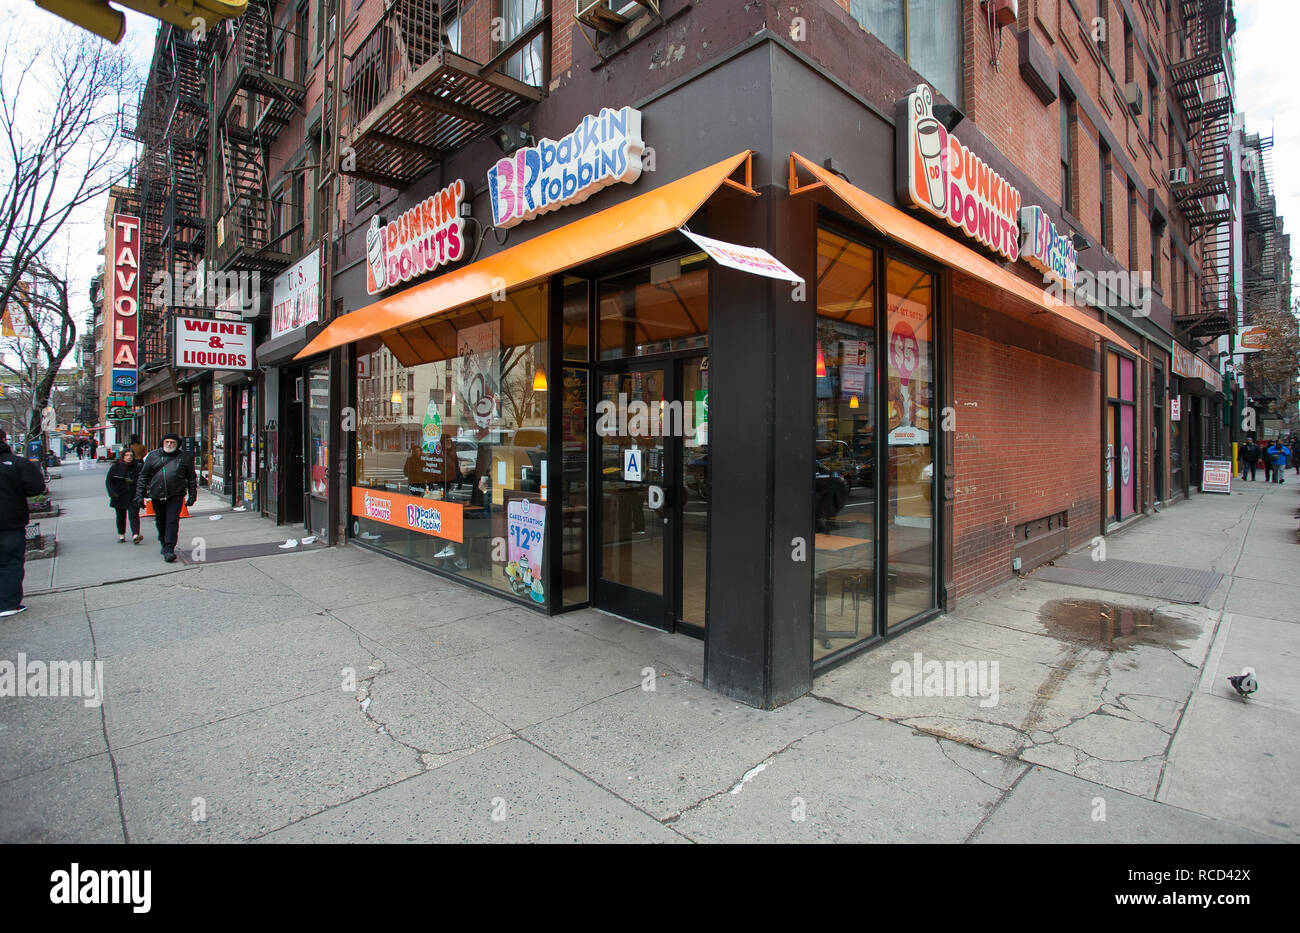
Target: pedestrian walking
{"points": [[19, 478], [168, 479], [137, 447], [121, 482], [1278, 453], [1249, 459]]}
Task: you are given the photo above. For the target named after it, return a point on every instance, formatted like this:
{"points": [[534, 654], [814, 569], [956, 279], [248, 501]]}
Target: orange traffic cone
{"points": [[148, 509]]}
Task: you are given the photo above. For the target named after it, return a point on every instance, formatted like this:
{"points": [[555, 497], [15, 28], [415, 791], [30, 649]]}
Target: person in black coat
{"points": [[120, 482], [19, 478], [168, 478], [1249, 458]]}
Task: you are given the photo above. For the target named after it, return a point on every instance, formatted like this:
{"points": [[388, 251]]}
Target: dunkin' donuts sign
{"points": [[938, 174], [603, 149], [429, 235]]}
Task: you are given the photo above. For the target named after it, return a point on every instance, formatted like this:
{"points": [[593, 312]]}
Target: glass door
{"points": [[634, 528]]}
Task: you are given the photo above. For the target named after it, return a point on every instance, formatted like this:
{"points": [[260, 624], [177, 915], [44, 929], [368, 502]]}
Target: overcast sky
{"points": [[1268, 71]]}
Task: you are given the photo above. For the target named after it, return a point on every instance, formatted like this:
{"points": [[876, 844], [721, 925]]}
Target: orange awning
{"points": [[900, 226], [616, 228]]}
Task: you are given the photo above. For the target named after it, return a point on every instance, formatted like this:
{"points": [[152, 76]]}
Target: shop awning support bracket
{"points": [[747, 186], [795, 186]]}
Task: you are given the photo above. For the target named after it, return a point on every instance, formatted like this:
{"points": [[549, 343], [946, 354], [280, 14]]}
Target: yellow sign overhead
{"points": [[103, 20]]}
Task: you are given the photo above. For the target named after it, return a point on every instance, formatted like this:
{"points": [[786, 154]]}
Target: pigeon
{"points": [[1244, 683]]}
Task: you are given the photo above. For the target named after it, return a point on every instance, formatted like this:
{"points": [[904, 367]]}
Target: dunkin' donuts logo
{"points": [[381, 509], [426, 519], [945, 178]]}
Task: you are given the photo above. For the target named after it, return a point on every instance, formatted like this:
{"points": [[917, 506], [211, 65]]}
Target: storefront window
{"points": [[910, 355], [1177, 412], [573, 428], [656, 309], [462, 485], [318, 411], [217, 429], [844, 448], [1121, 441]]}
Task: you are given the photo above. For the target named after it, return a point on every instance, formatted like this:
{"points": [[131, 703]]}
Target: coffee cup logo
{"points": [[375, 254], [931, 138]]}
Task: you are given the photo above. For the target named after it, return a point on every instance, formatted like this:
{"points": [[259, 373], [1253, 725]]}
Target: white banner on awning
{"points": [[745, 258]]}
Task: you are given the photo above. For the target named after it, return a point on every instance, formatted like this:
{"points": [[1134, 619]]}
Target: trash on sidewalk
{"points": [[214, 518], [292, 542]]}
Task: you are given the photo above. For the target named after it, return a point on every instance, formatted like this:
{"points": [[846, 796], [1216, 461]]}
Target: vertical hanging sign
{"points": [[126, 301]]}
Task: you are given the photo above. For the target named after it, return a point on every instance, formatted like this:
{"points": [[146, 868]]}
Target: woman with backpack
{"points": [[120, 482]]}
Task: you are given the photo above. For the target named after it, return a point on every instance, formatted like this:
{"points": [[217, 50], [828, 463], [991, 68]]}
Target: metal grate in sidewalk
{"points": [[1161, 581], [241, 551]]}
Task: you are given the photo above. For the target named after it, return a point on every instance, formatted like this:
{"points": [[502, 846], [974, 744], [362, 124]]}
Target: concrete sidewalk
{"points": [[339, 695]]}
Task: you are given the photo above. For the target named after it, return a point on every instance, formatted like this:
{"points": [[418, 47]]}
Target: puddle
{"points": [[1115, 627]]}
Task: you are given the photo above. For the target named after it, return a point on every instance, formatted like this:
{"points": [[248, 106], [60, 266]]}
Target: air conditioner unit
{"points": [[1180, 176], [1133, 97], [602, 15]]}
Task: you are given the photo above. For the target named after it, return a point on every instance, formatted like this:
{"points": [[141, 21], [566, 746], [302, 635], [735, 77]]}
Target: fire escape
{"points": [[1201, 82], [171, 129], [252, 103], [432, 76], [1262, 270]]}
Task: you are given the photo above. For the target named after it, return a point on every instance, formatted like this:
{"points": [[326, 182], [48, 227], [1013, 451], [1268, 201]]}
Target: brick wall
{"points": [[1026, 393]]}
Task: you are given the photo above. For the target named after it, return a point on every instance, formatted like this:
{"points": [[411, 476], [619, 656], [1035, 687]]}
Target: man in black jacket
{"points": [[19, 478], [167, 478], [1249, 458]]}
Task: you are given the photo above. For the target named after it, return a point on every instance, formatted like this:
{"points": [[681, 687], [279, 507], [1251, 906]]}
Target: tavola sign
{"points": [[605, 148], [938, 174]]}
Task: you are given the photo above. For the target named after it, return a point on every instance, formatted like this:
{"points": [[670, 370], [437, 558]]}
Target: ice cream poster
{"points": [[478, 375], [525, 542], [909, 372]]}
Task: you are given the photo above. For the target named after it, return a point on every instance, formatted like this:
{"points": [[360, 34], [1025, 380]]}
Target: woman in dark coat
{"points": [[120, 482]]}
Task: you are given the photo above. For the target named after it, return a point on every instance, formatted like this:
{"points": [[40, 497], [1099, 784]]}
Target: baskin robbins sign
{"points": [[938, 174], [424, 238], [603, 149], [438, 518], [1045, 248]]}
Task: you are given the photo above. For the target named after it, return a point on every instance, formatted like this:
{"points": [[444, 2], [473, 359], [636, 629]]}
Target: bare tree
{"points": [[52, 335], [1275, 368], [64, 107]]}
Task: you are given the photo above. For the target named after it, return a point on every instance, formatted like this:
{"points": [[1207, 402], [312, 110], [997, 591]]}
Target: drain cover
{"points": [[1176, 584]]}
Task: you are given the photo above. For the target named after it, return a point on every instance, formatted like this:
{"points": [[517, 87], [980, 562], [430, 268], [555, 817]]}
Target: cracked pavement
{"points": [[338, 695]]}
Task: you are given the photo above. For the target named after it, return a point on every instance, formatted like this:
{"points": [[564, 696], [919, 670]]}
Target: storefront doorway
{"points": [[293, 391], [652, 502]]}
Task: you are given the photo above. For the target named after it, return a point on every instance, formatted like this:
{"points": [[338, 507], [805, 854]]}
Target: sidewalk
{"points": [[474, 719]]}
